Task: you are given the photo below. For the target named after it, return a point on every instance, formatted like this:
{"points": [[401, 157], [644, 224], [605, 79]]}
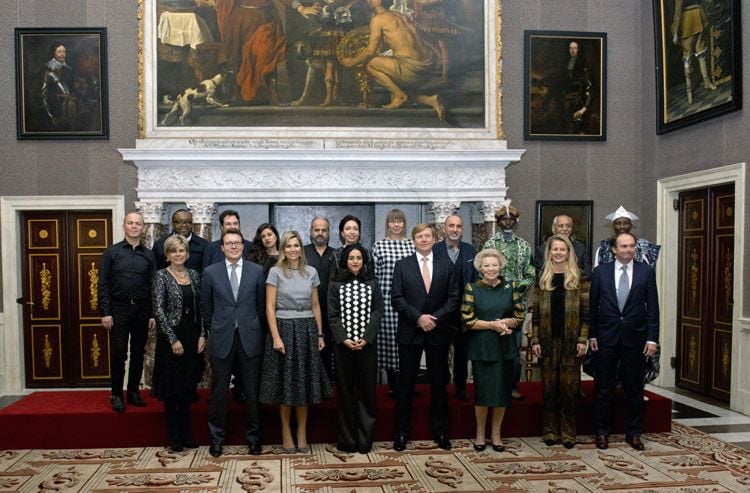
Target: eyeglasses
{"points": [[182, 221], [232, 244]]}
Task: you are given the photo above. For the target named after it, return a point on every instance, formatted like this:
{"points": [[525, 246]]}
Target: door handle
{"points": [[21, 301]]}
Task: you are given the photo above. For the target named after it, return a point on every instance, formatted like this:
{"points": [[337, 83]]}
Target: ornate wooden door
{"points": [[705, 282], [65, 345]]}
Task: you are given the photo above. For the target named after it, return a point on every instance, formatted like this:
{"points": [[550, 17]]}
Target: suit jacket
{"points": [[464, 270], [410, 300], [582, 253], [639, 320], [220, 310], [197, 246], [213, 254]]}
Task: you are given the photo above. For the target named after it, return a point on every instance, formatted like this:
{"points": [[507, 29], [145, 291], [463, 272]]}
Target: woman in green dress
{"points": [[492, 310]]}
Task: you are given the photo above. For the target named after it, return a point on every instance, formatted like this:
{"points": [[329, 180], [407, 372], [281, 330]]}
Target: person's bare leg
{"points": [[433, 102], [329, 80], [480, 413], [285, 413], [301, 426], [497, 421], [380, 69]]}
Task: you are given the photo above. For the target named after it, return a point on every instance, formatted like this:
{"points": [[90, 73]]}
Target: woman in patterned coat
{"points": [[355, 307], [395, 246], [559, 335]]}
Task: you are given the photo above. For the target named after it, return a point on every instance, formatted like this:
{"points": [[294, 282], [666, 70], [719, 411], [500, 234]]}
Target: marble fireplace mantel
{"points": [[309, 170]]}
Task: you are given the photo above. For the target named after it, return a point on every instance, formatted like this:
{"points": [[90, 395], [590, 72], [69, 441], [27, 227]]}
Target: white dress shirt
{"points": [[239, 270]]}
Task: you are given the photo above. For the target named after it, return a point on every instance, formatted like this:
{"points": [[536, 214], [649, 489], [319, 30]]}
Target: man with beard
{"points": [[461, 254], [317, 255]]}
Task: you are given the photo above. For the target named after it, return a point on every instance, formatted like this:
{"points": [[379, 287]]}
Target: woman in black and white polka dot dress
{"points": [[355, 307]]}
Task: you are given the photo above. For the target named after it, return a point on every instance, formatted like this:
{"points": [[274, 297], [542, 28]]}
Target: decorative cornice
{"points": [[203, 212]]}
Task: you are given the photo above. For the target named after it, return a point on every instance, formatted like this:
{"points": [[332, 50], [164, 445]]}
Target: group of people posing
{"points": [[287, 319]]}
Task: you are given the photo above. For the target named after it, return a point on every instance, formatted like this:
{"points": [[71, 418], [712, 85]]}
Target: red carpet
{"points": [[84, 419]]}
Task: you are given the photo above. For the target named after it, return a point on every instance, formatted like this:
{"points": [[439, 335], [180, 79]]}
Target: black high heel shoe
{"points": [[498, 448], [479, 447]]}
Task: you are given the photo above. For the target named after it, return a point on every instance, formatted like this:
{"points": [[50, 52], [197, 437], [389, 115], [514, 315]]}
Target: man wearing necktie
{"points": [[233, 304], [425, 295], [624, 327]]}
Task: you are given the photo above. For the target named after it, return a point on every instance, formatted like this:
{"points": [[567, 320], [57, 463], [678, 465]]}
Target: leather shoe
{"points": [[479, 447], [117, 405], [602, 442], [254, 448], [392, 393], [134, 398], [517, 396], [215, 450], [399, 443], [443, 442], [461, 395], [635, 442]]}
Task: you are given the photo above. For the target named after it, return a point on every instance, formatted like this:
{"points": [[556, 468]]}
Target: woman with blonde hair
{"points": [[293, 375], [385, 253], [492, 310], [559, 336]]}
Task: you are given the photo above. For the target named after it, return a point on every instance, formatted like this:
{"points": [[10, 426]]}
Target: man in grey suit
{"points": [[233, 304]]}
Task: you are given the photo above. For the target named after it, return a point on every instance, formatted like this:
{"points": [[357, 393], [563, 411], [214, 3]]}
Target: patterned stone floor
{"points": [[685, 460]]}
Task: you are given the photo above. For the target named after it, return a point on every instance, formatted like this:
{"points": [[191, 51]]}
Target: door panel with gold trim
{"points": [[705, 283], [65, 343]]}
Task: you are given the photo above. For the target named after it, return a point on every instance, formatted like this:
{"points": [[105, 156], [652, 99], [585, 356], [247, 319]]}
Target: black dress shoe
{"points": [[346, 447], [443, 442], [254, 448], [550, 442], [176, 447], [392, 393], [117, 405], [134, 398], [635, 442], [569, 445], [189, 443], [461, 395], [399, 443], [602, 442], [215, 450], [365, 449], [498, 448], [479, 447]]}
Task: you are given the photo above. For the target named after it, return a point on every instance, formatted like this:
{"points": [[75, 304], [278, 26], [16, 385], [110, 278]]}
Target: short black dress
{"points": [[174, 375]]}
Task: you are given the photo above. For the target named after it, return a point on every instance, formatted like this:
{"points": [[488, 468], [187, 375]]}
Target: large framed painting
{"points": [[61, 83], [312, 69], [565, 85], [698, 61], [580, 211]]}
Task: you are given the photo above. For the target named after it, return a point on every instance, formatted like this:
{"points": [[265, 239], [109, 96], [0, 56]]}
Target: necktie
{"points": [[425, 274], [623, 288], [234, 281]]}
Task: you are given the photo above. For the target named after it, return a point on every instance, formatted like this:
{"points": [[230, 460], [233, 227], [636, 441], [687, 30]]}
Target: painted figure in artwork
{"points": [[688, 27]]}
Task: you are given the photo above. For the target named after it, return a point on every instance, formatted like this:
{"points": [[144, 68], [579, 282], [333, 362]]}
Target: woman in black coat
{"points": [[355, 308]]}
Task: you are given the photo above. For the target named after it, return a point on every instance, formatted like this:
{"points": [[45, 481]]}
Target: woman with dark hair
{"points": [[350, 228], [175, 295], [385, 253], [293, 374], [559, 336], [264, 250], [355, 307]]}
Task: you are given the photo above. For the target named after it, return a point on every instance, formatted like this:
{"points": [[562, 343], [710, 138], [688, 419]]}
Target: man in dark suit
{"points": [[625, 328], [425, 295], [182, 224], [233, 304], [214, 253], [461, 255], [563, 225]]}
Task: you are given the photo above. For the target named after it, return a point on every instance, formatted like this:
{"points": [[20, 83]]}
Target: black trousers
{"points": [[177, 413], [437, 367], [460, 362], [130, 322], [249, 371], [632, 362], [356, 374]]}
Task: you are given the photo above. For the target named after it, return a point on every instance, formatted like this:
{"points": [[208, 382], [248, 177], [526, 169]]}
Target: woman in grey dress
{"points": [[293, 375], [395, 246]]}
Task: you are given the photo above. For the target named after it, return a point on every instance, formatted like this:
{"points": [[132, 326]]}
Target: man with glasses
{"points": [[182, 224], [233, 307]]}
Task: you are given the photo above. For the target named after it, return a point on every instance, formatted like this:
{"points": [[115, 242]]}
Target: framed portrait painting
{"points": [[61, 83], [565, 85], [581, 213], [698, 61], [266, 69]]}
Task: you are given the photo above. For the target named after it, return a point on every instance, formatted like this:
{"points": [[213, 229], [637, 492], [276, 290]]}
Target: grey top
{"points": [[294, 294]]}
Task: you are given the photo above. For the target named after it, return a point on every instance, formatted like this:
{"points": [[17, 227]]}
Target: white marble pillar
{"points": [[203, 218], [437, 212], [153, 214]]}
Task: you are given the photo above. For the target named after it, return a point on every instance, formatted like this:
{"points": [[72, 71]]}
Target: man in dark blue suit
{"points": [[425, 295], [461, 255], [625, 328], [213, 253], [182, 224], [233, 305]]}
